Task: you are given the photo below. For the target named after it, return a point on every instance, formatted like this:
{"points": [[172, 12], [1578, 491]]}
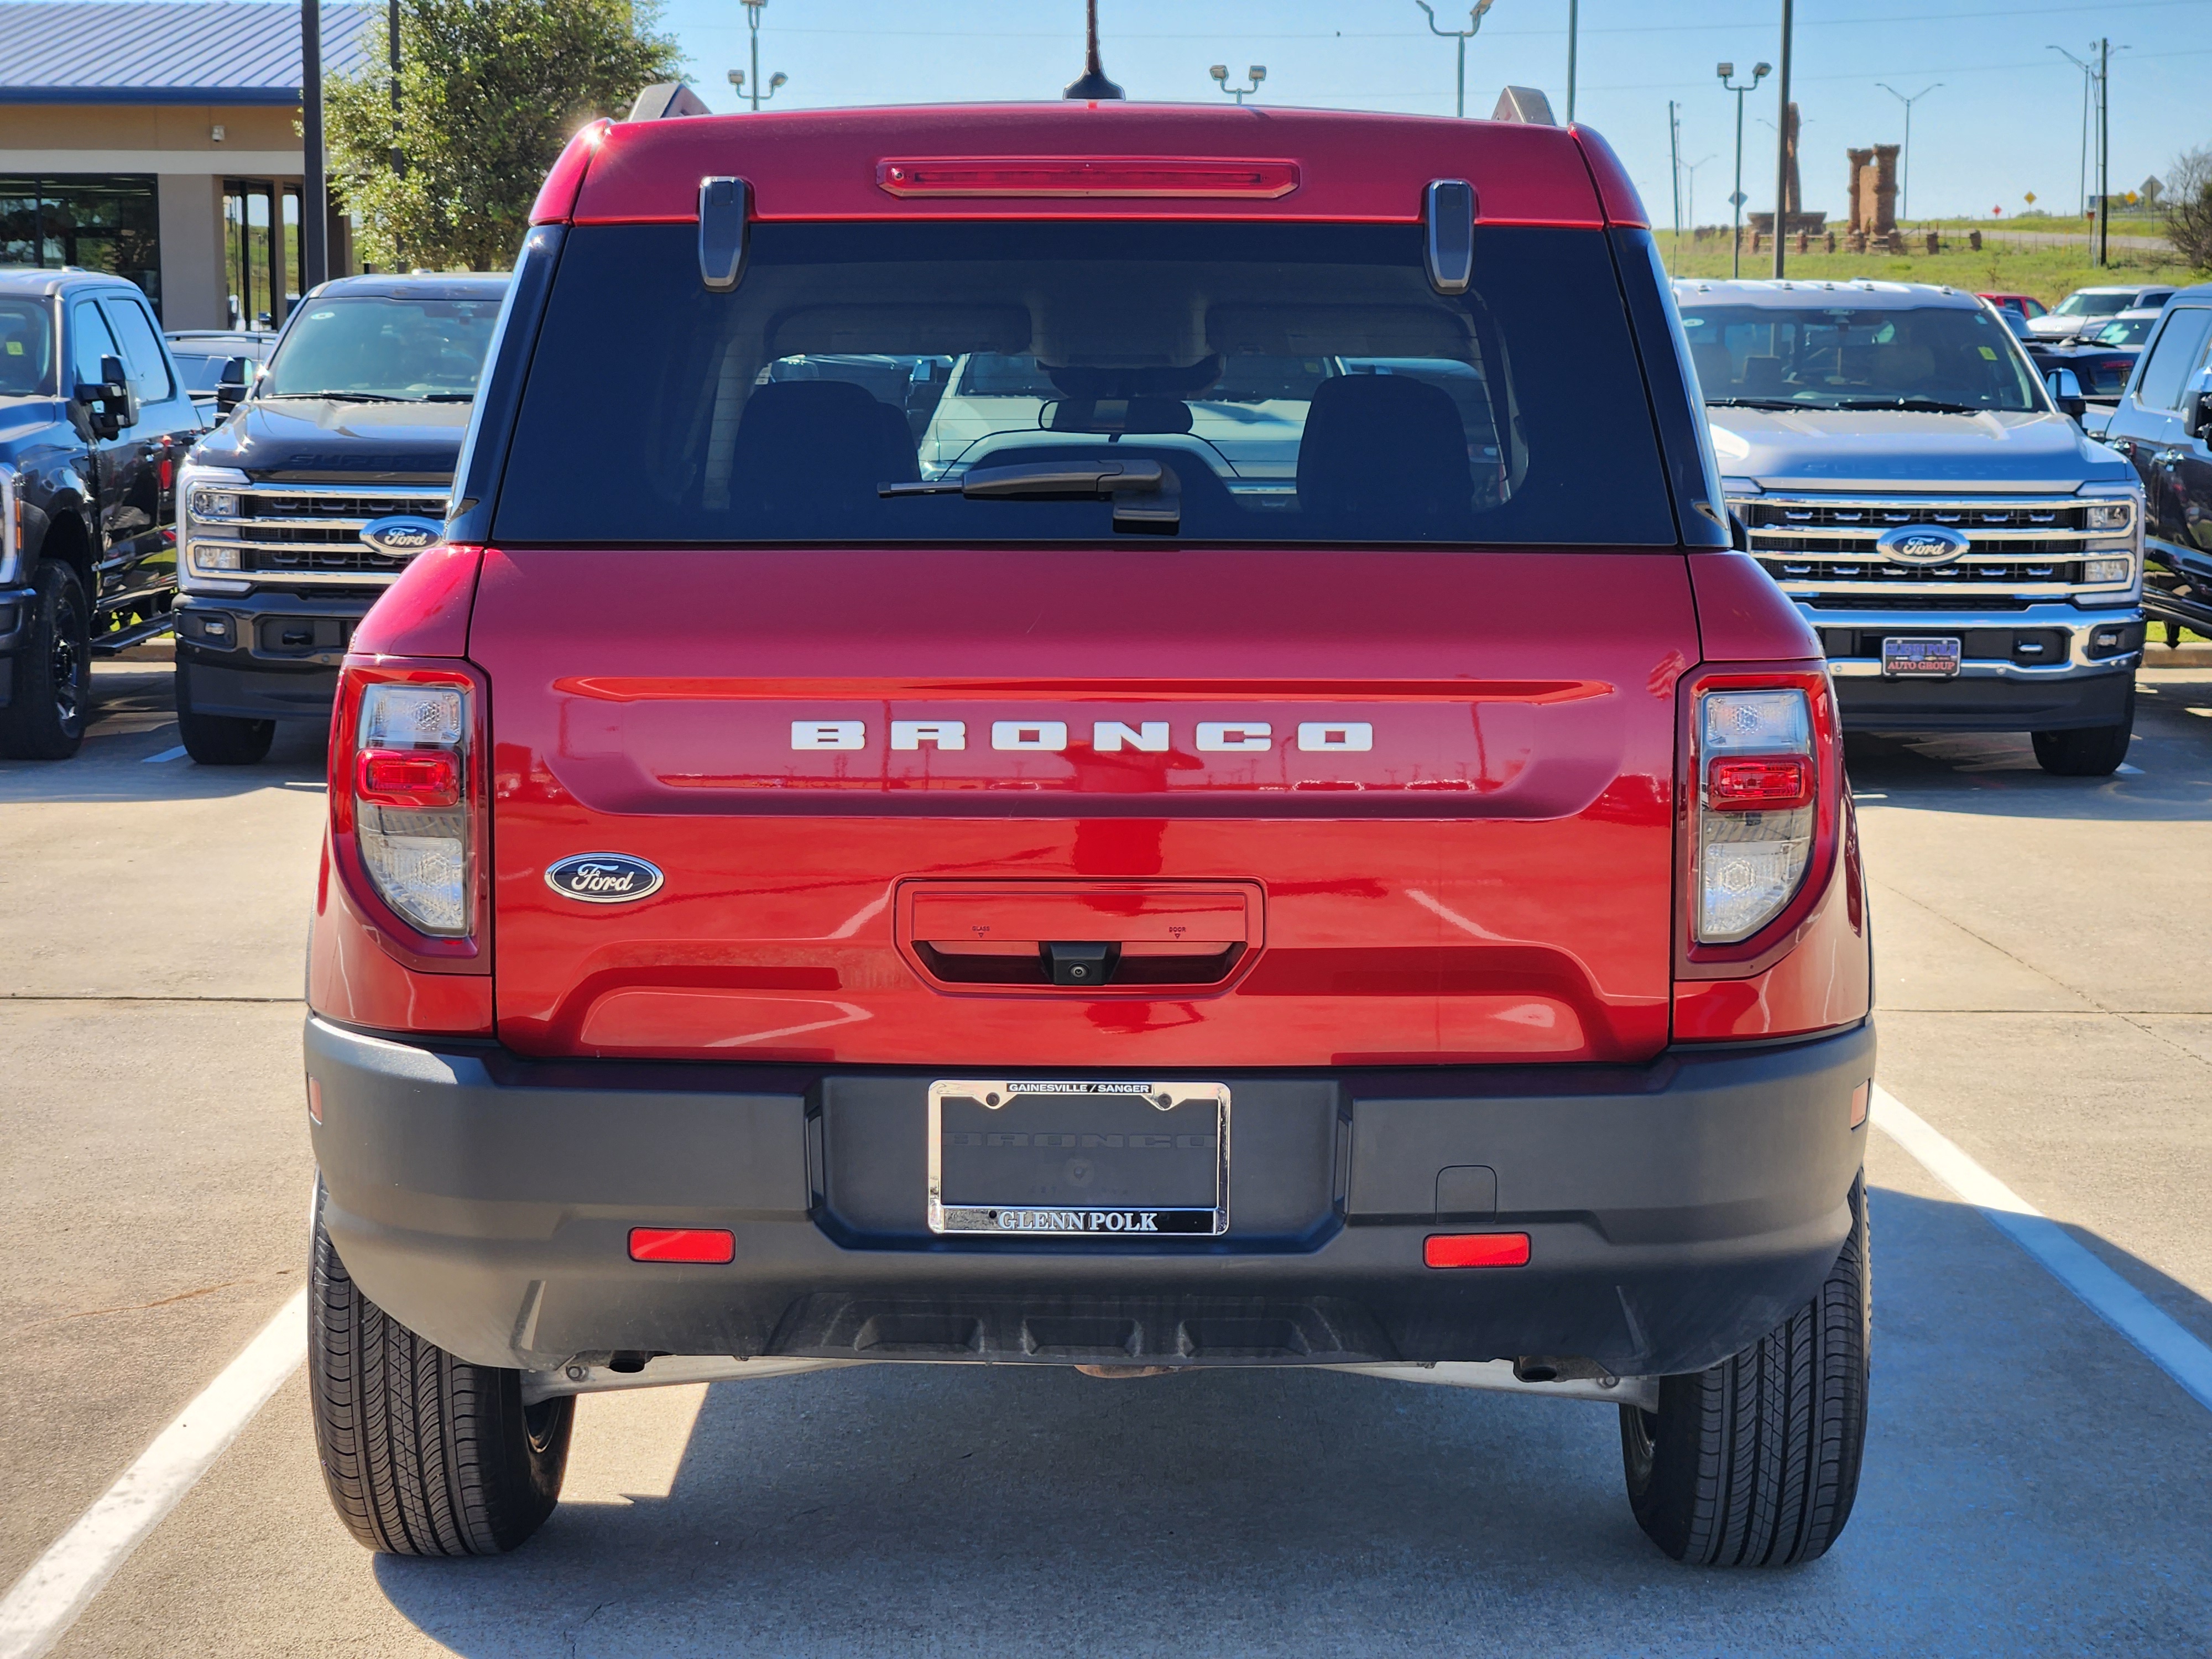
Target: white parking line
{"points": [[178, 753], [2109, 1297], [58, 1586]]}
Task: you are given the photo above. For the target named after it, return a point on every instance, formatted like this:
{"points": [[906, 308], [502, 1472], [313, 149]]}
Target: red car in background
{"points": [[1090, 896], [2027, 304]]}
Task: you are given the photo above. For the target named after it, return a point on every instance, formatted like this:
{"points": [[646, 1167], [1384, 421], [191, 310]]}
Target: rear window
{"points": [[1302, 382]]}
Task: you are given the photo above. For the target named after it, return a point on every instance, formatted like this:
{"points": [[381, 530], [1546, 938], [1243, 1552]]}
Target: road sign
{"points": [[1738, 200]]}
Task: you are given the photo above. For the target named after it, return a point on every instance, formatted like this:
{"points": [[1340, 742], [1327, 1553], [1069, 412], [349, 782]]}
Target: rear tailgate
{"points": [[1451, 842]]}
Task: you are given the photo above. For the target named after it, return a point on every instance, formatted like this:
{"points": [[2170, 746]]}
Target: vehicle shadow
{"points": [[134, 722], [898, 1510], [2169, 775]]}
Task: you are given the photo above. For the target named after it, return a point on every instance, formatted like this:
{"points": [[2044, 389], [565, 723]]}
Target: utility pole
{"points": [[1574, 31], [1674, 171], [1782, 157], [1463, 36], [1905, 181], [1727, 73], [314, 194]]}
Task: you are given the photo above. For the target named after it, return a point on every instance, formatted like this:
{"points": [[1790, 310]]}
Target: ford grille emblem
{"points": [[603, 877], [400, 534], [1921, 544]]}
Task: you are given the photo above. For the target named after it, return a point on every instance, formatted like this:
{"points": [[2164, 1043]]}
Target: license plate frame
{"points": [[1921, 658], [965, 1213]]}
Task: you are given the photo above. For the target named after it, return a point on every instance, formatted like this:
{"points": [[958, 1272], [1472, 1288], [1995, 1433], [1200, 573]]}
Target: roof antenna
{"points": [[1093, 83]]}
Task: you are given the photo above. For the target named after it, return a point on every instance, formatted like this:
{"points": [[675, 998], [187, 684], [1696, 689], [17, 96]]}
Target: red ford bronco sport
{"points": [[1091, 736]]}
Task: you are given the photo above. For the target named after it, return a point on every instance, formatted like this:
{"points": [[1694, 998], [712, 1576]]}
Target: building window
{"points": [[100, 222]]}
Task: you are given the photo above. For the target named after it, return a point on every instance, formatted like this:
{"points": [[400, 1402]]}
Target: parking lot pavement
{"points": [[2034, 1484]]}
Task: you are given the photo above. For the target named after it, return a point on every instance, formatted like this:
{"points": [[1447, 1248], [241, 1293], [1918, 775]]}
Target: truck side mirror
{"points": [[2200, 417], [107, 400], [2065, 389], [230, 390]]}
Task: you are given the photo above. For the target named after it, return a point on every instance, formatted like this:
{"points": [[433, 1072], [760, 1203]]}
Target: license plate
{"points": [[1016, 1157], [1929, 659]]}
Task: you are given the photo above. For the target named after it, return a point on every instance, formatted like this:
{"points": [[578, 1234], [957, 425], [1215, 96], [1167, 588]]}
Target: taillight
{"points": [[1755, 787], [410, 800]]}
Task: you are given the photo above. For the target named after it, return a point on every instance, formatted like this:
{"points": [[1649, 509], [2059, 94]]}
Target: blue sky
{"points": [[2006, 120]]}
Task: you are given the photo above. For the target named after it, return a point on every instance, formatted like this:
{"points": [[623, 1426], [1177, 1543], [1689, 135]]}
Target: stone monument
{"points": [[1874, 191], [1796, 220]]}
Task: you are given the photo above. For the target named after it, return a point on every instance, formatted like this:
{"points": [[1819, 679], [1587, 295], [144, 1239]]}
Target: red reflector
{"points": [[1077, 175], [1859, 1097], [681, 1244], [315, 1099], [1753, 785], [408, 777], [1476, 1250]]}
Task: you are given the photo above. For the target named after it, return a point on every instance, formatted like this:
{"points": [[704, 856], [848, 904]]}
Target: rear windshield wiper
{"points": [[1147, 496]]}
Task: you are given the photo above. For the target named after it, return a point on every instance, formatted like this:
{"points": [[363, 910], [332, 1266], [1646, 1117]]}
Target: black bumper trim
{"points": [[1678, 1212], [1984, 705]]}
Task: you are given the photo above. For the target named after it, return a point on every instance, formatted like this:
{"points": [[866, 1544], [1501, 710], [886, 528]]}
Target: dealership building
{"points": [[158, 139]]}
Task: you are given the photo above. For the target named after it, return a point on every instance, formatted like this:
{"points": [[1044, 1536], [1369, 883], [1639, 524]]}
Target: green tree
{"points": [[490, 91]]}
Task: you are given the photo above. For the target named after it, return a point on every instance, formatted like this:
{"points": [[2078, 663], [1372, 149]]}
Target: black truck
{"points": [[93, 421], [330, 475], [2163, 424]]}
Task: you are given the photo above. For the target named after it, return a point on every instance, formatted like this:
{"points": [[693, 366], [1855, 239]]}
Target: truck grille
{"points": [[311, 533], [1821, 550]]}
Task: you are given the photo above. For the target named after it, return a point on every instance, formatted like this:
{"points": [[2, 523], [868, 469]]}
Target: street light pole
{"points": [[1674, 171], [2104, 153], [1257, 74], [1727, 73], [737, 76], [1905, 183], [1782, 146], [1463, 36]]}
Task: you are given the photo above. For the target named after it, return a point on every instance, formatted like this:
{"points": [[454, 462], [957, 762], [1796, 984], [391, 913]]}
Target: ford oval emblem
{"points": [[1921, 544], [400, 535], [603, 877]]}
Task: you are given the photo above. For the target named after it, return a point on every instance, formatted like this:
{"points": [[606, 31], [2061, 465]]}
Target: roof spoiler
{"points": [[665, 99], [1525, 104]]}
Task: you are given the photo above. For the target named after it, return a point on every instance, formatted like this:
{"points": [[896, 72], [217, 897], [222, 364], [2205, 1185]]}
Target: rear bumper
{"points": [[1677, 1211]]}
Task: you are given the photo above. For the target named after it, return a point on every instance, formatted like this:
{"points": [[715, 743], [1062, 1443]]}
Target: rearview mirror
{"points": [[2065, 389]]}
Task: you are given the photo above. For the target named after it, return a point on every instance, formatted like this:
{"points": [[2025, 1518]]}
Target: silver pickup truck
{"points": [[1970, 559]]}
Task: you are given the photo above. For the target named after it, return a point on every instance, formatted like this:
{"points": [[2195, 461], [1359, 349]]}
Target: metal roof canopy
{"points": [[165, 52]]}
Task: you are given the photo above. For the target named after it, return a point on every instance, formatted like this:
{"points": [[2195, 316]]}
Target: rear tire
{"points": [[2093, 751], [220, 739], [1755, 1462], [52, 704], [422, 1452]]}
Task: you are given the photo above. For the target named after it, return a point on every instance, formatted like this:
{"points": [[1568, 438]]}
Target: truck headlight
{"points": [[2110, 518], [210, 504], [2106, 572]]}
